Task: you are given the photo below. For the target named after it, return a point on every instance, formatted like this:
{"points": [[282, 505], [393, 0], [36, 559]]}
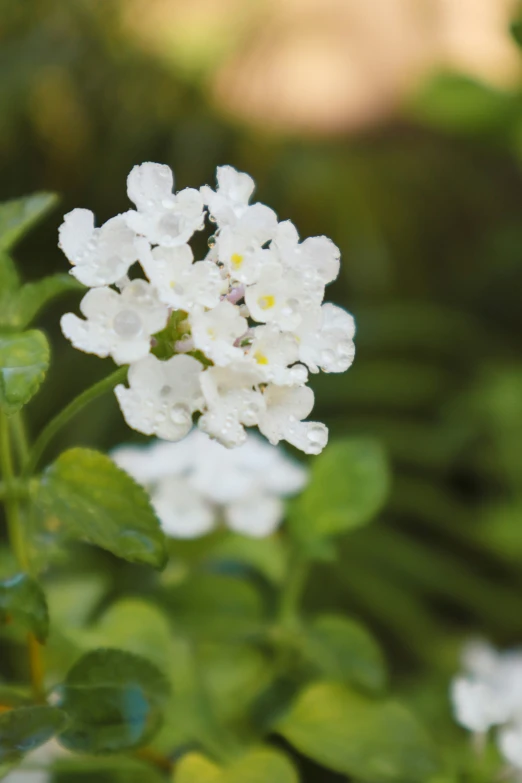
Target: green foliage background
{"points": [[427, 211]]}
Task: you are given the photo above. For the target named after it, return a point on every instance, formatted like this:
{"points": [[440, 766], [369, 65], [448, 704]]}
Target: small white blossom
{"points": [[489, 694], [240, 248], [317, 259], [232, 402], [325, 339], [230, 200], [216, 331], [163, 217], [274, 354], [282, 419], [180, 283], [476, 704], [509, 741], [100, 256], [117, 325], [197, 483], [276, 298], [162, 396]]}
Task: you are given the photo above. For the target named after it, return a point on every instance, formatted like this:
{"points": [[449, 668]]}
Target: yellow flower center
{"points": [[260, 358], [236, 260], [266, 302]]}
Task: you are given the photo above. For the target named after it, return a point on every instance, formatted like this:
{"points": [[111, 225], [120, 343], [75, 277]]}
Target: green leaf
{"points": [[348, 487], [378, 742], [84, 495], [18, 216], [343, 650], [194, 768], [9, 281], [267, 556], [23, 600], [114, 700], [24, 360], [26, 728], [33, 297], [259, 765], [136, 626], [217, 606], [109, 769]]}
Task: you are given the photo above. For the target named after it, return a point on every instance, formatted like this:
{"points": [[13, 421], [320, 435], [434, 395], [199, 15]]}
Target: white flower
{"points": [[232, 402], [162, 396], [230, 200], [282, 420], [252, 310], [216, 331], [273, 352], [163, 217], [476, 704], [276, 298], [100, 256], [317, 259], [509, 740], [240, 248], [182, 511], [325, 339], [117, 325], [196, 483], [180, 283], [490, 694]]}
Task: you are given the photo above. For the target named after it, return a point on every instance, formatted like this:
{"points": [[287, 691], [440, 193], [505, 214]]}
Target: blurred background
{"points": [[393, 126]]}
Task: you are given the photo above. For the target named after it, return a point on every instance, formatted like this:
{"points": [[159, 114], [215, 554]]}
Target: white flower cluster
{"points": [[489, 693], [252, 309], [196, 484]]}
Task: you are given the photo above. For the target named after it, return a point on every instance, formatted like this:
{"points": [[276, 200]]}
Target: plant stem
{"points": [[14, 522], [17, 539], [62, 418], [292, 589], [20, 436]]}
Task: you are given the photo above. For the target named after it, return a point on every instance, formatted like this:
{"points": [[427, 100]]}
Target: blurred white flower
{"points": [[100, 256], [198, 483], [251, 313], [117, 325], [489, 693]]}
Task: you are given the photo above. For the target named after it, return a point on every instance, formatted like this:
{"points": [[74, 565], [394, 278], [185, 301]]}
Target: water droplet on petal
{"points": [[180, 414], [127, 324]]}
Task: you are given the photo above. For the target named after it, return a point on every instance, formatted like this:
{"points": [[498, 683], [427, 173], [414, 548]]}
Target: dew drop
{"points": [[127, 324], [180, 414]]}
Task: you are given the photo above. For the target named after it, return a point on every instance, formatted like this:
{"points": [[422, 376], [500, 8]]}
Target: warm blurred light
{"points": [[326, 66]]}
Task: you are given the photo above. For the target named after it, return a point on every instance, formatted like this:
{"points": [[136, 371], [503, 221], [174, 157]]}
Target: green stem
{"points": [[292, 590], [14, 521], [20, 436], [18, 543], [63, 418], [17, 490]]}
